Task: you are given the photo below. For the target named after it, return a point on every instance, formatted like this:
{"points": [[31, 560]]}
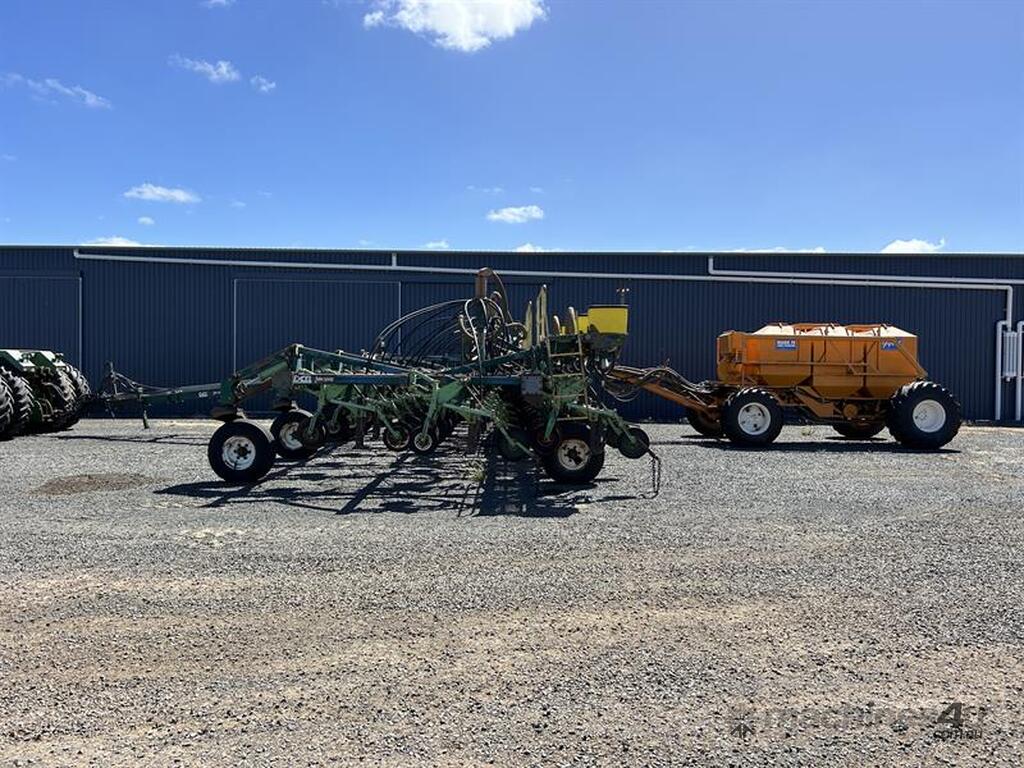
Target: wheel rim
{"points": [[573, 453], [423, 441], [288, 437], [238, 452], [929, 416], [754, 418]]}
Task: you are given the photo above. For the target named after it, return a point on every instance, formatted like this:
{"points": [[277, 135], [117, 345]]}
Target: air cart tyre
{"points": [[635, 445], [752, 417], [287, 431], [241, 451], [23, 403], [573, 461], [923, 415], [704, 424], [424, 443], [858, 431], [397, 440]]}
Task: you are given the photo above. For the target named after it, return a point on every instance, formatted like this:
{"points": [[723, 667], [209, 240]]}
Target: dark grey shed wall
{"points": [[175, 323]]}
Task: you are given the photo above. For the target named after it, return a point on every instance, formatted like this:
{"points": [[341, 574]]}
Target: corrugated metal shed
{"points": [[186, 315]]}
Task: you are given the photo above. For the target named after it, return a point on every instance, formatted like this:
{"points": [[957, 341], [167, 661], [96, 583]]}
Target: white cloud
{"points": [[160, 194], [262, 84], [237, 204], [537, 190], [146, 221], [437, 245], [51, 88], [460, 25], [530, 248], [516, 214], [217, 3], [914, 246], [488, 190], [113, 240], [217, 72]]}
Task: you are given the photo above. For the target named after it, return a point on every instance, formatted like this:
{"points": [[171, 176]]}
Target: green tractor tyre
{"points": [[23, 403], [59, 393], [81, 385], [6, 408]]}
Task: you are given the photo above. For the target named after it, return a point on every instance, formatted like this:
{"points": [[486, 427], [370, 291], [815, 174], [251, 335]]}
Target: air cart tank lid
{"points": [[832, 329]]}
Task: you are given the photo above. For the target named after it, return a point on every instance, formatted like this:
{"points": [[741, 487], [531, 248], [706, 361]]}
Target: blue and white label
{"points": [[785, 343], [889, 346]]}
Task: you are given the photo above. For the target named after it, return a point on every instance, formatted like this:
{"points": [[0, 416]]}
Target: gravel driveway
{"points": [[820, 603]]}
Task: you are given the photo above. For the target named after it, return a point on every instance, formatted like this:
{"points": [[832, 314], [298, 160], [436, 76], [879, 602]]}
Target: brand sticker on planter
{"points": [[785, 343], [888, 346]]}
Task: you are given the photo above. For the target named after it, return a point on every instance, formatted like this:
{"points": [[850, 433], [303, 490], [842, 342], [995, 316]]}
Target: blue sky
{"points": [[514, 123]]}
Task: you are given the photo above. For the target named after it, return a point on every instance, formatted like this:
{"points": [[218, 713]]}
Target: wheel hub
{"points": [[289, 436], [238, 452], [573, 453], [754, 418], [929, 416]]}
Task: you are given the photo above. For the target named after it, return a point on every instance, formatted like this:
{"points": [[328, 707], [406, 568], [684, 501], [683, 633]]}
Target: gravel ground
{"points": [[820, 603]]}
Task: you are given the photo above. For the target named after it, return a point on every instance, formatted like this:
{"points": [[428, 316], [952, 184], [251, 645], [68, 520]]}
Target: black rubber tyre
{"points": [[60, 394], [703, 424], [241, 451], [81, 384], [83, 392], [6, 408], [312, 436], [397, 441], [287, 431], [752, 417], [23, 403], [76, 406], [424, 443], [636, 445], [923, 415], [854, 431], [573, 461]]}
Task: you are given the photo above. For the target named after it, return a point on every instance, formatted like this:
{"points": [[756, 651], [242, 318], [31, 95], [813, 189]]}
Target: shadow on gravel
{"points": [[829, 445], [171, 439], [347, 481], [832, 444]]}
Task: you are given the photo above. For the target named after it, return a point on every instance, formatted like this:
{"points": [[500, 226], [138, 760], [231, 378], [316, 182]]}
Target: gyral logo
{"points": [[889, 346], [785, 343]]}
